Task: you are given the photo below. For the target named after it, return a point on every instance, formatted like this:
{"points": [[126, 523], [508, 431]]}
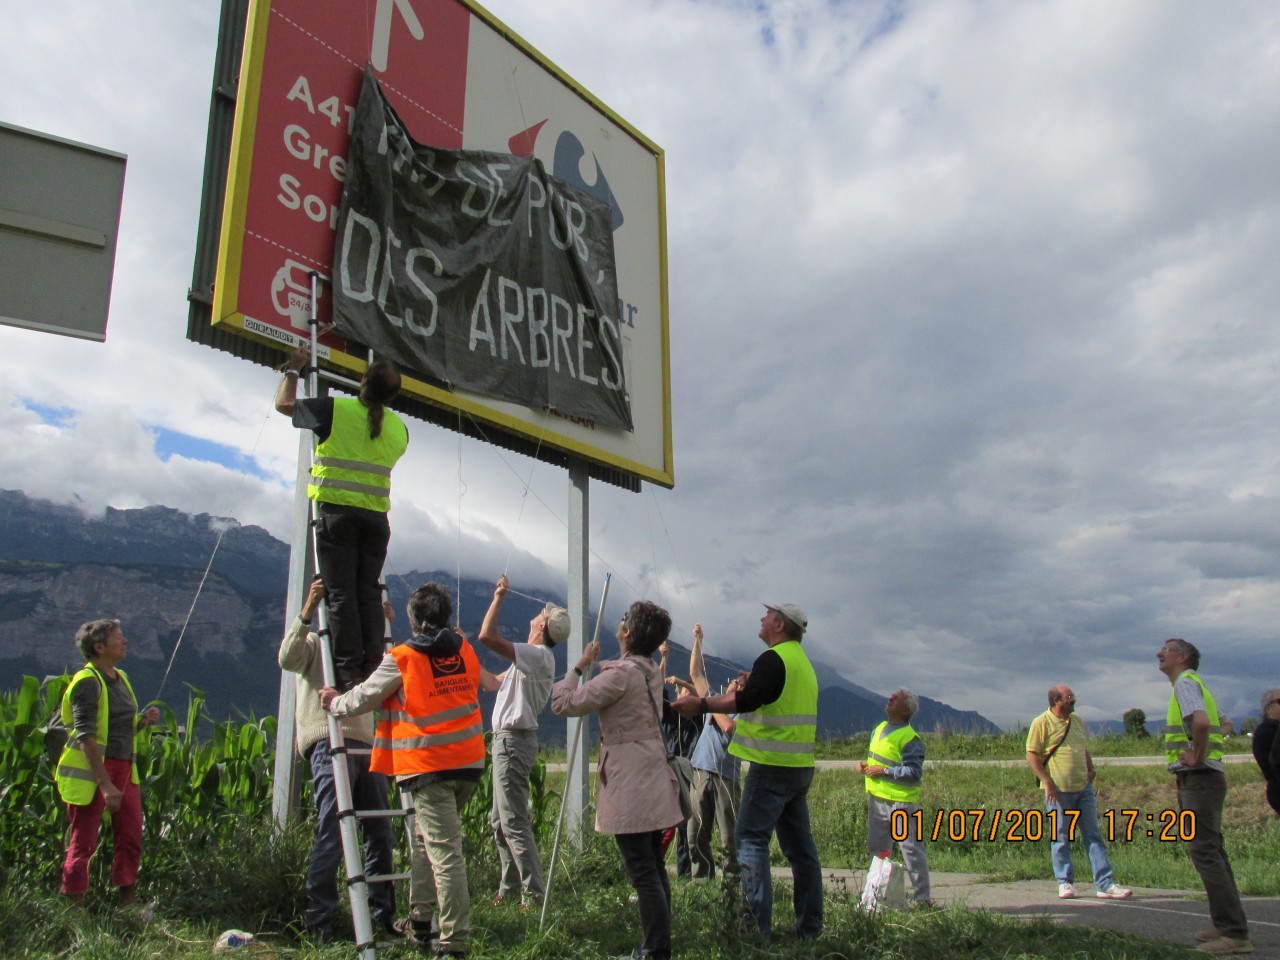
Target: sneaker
{"points": [[1066, 891], [1204, 936], [415, 931], [1115, 892], [1227, 946]]}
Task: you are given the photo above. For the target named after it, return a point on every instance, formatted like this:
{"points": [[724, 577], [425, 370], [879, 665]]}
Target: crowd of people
{"points": [[429, 736]]}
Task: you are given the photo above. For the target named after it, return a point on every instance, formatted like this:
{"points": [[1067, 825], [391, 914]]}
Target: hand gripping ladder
{"points": [[357, 881]]}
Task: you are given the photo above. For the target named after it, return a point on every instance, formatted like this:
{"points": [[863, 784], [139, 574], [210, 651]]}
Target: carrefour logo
{"points": [[566, 165]]}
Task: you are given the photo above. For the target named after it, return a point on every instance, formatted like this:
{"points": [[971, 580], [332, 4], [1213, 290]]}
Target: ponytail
{"points": [[381, 382]]}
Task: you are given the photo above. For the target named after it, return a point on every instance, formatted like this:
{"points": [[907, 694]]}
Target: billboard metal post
{"points": [[286, 790], [576, 794]]}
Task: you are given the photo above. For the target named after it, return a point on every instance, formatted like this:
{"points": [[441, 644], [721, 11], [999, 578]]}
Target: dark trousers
{"points": [[643, 860], [1204, 792], [351, 547], [368, 792]]}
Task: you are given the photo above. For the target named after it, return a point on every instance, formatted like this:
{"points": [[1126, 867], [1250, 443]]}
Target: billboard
{"points": [[459, 80], [59, 219]]}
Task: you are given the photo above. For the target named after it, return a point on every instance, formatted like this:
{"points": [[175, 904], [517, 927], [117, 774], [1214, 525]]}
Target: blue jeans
{"points": [[1086, 827], [777, 799], [368, 792]]}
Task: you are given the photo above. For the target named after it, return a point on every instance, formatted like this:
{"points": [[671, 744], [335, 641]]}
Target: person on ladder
{"points": [[300, 655], [359, 442]]}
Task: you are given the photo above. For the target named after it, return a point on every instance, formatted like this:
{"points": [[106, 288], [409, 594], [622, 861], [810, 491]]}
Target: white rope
{"points": [[684, 584], [524, 497], [231, 512]]}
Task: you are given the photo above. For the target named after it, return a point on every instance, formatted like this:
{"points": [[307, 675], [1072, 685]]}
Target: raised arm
{"points": [[489, 635], [697, 669], [287, 392]]}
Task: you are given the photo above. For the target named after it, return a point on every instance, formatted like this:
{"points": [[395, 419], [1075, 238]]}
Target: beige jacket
{"points": [[637, 790], [300, 654]]}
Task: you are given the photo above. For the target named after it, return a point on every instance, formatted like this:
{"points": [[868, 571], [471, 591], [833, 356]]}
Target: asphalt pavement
{"points": [[1173, 915]]}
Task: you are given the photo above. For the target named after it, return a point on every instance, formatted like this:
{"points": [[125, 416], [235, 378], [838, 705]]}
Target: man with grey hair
{"points": [[522, 693], [894, 768], [1058, 754], [777, 708], [1193, 741]]}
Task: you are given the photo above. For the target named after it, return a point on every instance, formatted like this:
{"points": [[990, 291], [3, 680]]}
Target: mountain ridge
{"points": [[59, 568]]}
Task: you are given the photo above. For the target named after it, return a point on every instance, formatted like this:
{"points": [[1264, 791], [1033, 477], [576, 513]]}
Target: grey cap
{"points": [[792, 613]]}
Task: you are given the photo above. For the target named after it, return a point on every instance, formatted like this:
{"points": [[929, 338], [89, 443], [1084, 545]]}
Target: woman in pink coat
{"points": [[637, 798]]}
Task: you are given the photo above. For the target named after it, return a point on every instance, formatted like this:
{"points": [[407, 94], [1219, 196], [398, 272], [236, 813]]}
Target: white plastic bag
{"points": [[231, 939], [884, 887]]}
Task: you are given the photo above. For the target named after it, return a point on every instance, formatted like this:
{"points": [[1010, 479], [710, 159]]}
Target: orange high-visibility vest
{"points": [[433, 722]]}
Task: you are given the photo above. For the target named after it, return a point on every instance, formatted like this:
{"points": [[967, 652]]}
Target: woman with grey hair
{"points": [[96, 771], [1266, 746], [638, 798]]}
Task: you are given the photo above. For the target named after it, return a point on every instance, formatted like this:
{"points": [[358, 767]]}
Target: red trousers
{"points": [[126, 830]]}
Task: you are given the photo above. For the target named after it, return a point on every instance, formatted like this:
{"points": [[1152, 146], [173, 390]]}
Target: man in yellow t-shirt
{"points": [[1058, 753]]}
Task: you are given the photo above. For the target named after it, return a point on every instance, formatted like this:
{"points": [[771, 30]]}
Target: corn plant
{"points": [[199, 786], [31, 820]]}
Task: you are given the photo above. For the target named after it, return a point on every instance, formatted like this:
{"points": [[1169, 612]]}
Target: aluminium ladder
{"points": [[357, 881]]}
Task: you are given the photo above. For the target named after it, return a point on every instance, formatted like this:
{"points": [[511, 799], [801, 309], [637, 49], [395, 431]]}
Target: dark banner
{"points": [[479, 270]]}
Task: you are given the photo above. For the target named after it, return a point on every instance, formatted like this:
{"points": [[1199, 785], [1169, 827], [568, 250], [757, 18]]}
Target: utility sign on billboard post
{"points": [[459, 81]]}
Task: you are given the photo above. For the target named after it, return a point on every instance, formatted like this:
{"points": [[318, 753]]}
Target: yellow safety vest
{"points": [[350, 467], [1176, 736], [887, 752], [782, 733], [76, 783]]}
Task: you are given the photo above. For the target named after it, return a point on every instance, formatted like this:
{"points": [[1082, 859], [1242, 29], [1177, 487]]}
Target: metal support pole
{"points": [[576, 792], [286, 788]]}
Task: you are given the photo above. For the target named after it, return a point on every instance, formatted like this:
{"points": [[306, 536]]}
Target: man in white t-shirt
{"points": [[525, 687]]}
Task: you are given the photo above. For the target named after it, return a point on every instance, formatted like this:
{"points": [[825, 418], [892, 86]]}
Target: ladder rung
{"points": [[379, 814], [385, 877], [359, 751]]}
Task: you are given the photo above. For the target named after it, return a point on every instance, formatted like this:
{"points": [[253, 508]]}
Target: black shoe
{"points": [[440, 950], [385, 923]]}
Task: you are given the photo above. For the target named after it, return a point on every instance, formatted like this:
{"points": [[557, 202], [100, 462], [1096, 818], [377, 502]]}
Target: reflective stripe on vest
{"points": [[1176, 736], [433, 723], [782, 733], [350, 467], [76, 783], [887, 752]]}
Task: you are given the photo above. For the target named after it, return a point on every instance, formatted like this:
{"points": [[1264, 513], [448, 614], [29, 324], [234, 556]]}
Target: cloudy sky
{"points": [[973, 323]]}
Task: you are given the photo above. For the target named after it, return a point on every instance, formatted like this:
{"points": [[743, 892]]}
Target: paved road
{"points": [[1145, 761], [1149, 761], [1174, 915]]}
